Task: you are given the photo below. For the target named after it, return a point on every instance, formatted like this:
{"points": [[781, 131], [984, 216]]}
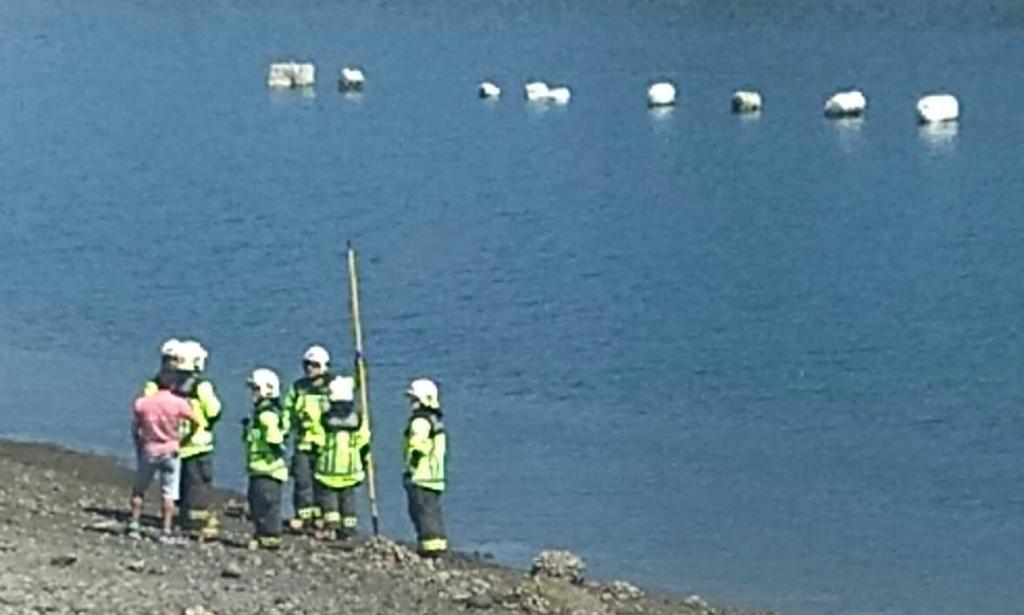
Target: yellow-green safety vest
{"points": [[264, 441], [305, 405], [425, 446], [197, 436], [339, 463]]}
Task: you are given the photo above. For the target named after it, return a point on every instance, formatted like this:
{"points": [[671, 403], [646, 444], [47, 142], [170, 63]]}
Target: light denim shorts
{"points": [[167, 469]]}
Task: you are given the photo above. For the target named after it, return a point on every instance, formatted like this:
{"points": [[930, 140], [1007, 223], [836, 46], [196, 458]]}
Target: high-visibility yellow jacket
{"points": [[305, 404], [425, 448], [197, 438], [340, 462], [264, 441]]}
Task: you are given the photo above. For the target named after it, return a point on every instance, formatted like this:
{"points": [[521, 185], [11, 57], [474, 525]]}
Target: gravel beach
{"points": [[63, 550]]}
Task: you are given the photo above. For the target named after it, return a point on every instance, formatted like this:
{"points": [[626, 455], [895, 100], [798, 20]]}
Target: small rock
{"points": [[480, 601], [136, 566], [622, 590], [197, 610], [234, 509], [63, 561], [696, 602], [231, 571], [559, 565]]}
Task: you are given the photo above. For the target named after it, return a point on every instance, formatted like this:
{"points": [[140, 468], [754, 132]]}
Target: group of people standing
{"points": [[173, 430]]}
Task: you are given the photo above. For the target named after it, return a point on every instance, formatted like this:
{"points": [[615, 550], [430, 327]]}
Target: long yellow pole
{"points": [[364, 393]]}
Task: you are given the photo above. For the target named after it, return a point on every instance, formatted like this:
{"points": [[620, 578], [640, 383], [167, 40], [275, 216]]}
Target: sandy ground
{"points": [[63, 550]]}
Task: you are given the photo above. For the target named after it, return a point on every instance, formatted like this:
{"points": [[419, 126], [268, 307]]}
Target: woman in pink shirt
{"points": [[156, 431]]}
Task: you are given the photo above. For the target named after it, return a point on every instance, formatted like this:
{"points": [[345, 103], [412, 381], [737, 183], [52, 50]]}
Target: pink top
{"points": [[155, 423]]}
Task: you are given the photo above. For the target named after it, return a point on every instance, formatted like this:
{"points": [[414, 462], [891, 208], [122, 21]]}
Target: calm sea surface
{"points": [[776, 360]]}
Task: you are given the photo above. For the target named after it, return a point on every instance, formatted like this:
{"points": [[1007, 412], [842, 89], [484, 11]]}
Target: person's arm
{"points": [[136, 438], [186, 413], [291, 403], [419, 441], [208, 401], [272, 428]]}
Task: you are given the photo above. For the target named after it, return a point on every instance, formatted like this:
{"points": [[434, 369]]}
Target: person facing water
{"points": [[198, 442], [425, 449], [341, 462], [305, 404], [264, 437], [156, 429]]}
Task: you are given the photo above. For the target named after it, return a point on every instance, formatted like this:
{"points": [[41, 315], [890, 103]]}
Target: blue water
{"points": [[774, 360]]}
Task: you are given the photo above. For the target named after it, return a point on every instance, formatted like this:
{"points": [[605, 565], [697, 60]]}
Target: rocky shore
{"points": [[63, 550]]}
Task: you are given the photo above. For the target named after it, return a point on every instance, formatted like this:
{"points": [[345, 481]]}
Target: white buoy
{"points": [[850, 103], [351, 79], [489, 89], [283, 75], [305, 75], [279, 76], [560, 95], [536, 91], [746, 101], [661, 94], [938, 108]]}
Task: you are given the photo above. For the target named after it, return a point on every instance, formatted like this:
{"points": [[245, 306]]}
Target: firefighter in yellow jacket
{"points": [[341, 462], [425, 448], [264, 437], [305, 405], [197, 442]]}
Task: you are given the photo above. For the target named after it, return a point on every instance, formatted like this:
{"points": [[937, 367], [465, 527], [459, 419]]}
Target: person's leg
{"points": [[143, 476], [252, 494], [189, 478], [347, 504], [413, 506], [200, 516], [327, 503], [432, 539], [267, 495], [272, 518], [170, 478], [304, 499]]}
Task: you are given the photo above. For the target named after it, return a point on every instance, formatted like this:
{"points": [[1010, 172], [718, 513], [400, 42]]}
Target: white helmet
{"points": [[201, 357], [425, 391], [192, 356], [317, 354], [171, 348], [341, 388], [265, 382]]}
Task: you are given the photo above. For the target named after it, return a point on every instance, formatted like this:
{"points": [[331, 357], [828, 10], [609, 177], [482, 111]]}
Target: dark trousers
{"points": [[338, 507], [304, 499], [425, 512], [196, 488], [265, 506]]}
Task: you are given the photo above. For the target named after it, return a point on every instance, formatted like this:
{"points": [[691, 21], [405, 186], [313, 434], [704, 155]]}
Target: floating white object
{"points": [[661, 94], [488, 89], [850, 103], [284, 75], [746, 101], [351, 79], [305, 75], [536, 91], [560, 95], [938, 108]]}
